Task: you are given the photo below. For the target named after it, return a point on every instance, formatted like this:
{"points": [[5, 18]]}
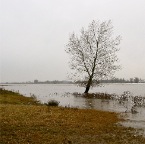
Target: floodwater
{"points": [[64, 94]]}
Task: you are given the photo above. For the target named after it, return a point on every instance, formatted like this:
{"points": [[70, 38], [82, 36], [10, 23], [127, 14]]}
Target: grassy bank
{"points": [[9, 97], [23, 120]]}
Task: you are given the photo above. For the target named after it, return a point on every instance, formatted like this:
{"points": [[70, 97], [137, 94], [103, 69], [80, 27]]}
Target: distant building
{"points": [[35, 81]]}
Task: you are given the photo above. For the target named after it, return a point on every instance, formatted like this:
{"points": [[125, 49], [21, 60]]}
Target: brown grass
{"points": [[9, 97], [39, 124]]}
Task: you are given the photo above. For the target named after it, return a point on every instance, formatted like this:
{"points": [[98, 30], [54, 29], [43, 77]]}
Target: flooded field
{"points": [[128, 99]]}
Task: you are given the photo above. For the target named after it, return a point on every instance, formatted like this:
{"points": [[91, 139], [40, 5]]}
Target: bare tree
{"points": [[93, 53]]}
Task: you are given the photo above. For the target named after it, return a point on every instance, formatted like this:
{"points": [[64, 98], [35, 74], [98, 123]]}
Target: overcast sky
{"points": [[33, 35]]}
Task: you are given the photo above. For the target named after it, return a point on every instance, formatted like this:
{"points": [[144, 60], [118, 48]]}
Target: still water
{"points": [[63, 94]]}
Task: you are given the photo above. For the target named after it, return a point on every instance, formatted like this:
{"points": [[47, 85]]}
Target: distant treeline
{"points": [[53, 82], [40, 82], [114, 80], [122, 80]]}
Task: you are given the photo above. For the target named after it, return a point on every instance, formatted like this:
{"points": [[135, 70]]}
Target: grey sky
{"points": [[33, 35]]}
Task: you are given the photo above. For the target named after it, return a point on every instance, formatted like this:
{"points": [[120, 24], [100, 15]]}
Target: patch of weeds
{"points": [[94, 95], [52, 103]]}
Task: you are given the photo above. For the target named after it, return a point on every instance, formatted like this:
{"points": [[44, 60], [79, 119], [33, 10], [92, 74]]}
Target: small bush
{"points": [[52, 103]]}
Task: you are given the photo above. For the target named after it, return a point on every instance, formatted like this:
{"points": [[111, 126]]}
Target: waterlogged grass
{"points": [[95, 95], [40, 124]]}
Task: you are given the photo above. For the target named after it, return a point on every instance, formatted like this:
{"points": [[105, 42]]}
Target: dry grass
{"points": [[39, 124], [9, 97]]}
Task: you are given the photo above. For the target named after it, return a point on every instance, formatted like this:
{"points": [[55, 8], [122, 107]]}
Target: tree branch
{"points": [[84, 62]]}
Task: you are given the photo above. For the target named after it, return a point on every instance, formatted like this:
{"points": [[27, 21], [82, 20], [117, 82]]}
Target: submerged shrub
{"points": [[52, 103]]}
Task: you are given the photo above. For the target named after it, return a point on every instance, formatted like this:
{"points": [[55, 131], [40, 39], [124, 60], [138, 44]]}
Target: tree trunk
{"points": [[88, 85], [87, 89]]}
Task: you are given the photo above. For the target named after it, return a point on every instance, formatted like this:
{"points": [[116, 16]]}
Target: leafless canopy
{"points": [[93, 53]]}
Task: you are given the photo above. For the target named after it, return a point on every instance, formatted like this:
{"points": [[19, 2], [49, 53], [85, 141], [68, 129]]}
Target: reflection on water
{"points": [[128, 104]]}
